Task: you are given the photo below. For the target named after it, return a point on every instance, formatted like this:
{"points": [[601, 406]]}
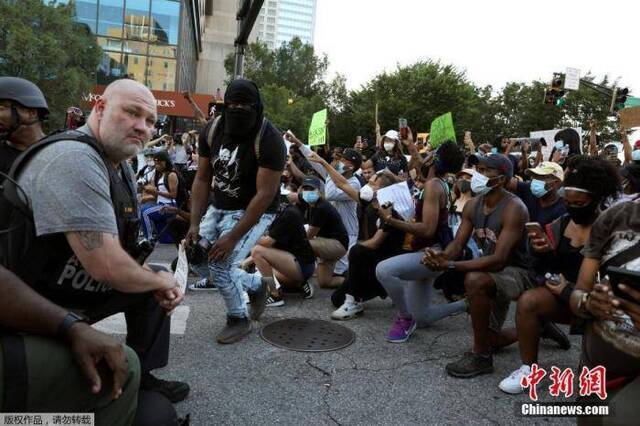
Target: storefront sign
{"points": [[169, 103]]}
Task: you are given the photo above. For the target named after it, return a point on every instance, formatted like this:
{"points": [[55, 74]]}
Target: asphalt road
{"points": [[369, 382]]}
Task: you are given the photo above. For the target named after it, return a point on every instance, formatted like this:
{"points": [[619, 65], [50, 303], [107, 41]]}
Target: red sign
{"points": [[169, 103]]}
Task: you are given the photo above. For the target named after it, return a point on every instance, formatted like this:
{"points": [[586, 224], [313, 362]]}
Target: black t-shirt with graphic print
{"points": [[235, 166]]}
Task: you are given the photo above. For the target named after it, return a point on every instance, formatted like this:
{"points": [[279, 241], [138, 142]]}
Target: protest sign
{"points": [[317, 130], [182, 268], [548, 136], [400, 196], [572, 79], [442, 130], [630, 117]]}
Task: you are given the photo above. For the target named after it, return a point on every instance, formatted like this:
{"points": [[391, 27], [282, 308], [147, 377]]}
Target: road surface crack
{"points": [[327, 390]]}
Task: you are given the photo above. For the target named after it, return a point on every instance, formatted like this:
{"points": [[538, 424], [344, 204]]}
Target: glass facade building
{"points": [[151, 41], [281, 20]]}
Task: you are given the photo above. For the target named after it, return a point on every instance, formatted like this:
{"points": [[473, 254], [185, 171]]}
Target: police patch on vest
{"points": [[74, 276]]}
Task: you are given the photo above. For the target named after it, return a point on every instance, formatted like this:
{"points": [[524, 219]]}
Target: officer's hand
{"points": [[169, 299], [90, 347]]}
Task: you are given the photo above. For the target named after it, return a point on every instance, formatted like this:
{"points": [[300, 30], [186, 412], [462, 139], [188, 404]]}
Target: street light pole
{"points": [[248, 11]]}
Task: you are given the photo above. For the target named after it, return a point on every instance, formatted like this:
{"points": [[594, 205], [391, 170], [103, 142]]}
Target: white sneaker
{"points": [[512, 384], [349, 309]]}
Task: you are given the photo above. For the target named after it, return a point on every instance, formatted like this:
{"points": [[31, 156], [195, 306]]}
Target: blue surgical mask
{"points": [[559, 144], [494, 150], [340, 167], [479, 184], [635, 155], [538, 188], [310, 197]]}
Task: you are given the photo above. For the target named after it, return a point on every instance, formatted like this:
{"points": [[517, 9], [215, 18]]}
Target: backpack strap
{"points": [[256, 144], [212, 131]]}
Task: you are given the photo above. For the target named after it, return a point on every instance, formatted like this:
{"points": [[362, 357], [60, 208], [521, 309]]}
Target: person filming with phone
{"points": [[557, 251], [611, 307]]}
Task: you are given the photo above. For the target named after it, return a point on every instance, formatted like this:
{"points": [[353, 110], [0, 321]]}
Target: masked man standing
{"points": [[245, 155]]}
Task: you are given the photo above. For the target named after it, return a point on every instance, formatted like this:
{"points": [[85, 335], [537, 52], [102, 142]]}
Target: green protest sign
{"points": [[317, 130], [442, 130]]}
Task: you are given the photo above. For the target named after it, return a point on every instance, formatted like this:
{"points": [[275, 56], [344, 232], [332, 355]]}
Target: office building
{"points": [[281, 20]]}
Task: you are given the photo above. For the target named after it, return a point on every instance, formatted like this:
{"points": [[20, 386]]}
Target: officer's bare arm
{"points": [[106, 261]]}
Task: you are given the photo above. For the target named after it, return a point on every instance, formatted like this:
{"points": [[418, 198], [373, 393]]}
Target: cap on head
{"points": [[548, 168], [25, 93], [162, 156], [499, 162], [353, 156], [312, 182], [392, 134]]}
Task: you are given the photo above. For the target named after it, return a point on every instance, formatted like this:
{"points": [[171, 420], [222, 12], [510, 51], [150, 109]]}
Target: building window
{"points": [[165, 21], [110, 14], [136, 20], [87, 13], [161, 74]]}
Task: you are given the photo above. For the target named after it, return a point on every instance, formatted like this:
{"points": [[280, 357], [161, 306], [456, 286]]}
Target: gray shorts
{"points": [[510, 283]]}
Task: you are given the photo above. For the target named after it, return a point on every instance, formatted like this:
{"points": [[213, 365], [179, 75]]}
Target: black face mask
{"points": [[239, 123], [584, 215]]}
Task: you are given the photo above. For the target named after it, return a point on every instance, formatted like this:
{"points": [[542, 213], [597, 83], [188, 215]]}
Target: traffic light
{"points": [[554, 95], [619, 98]]}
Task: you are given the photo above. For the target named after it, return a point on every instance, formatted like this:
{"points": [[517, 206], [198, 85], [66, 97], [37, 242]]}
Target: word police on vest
{"points": [[74, 275]]}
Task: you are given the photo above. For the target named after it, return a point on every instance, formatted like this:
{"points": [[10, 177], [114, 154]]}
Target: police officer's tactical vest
{"points": [[47, 263]]}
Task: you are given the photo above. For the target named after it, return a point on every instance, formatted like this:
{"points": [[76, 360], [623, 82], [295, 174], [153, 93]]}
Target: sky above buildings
{"points": [[494, 41]]}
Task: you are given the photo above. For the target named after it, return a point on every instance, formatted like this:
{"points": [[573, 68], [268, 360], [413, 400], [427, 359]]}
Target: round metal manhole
{"points": [[307, 335]]}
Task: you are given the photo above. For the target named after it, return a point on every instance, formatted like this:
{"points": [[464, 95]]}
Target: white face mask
{"points": [[479, 184], [388, 146], [151, 163], [367, 193]]}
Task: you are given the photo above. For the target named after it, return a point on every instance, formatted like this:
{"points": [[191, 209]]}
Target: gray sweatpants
{"points": [[410, 285]]}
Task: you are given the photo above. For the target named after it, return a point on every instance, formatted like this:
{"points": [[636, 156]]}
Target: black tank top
{"points": [[487, 230]]}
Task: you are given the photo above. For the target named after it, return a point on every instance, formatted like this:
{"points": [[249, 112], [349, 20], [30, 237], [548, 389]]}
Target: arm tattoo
{"points": [[90, 239]]}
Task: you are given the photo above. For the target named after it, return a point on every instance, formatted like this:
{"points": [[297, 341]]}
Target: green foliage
{"points": [[43, 44], [419, 92]]}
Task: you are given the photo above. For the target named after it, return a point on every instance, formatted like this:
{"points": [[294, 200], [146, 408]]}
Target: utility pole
{"points": [[248, 11]]}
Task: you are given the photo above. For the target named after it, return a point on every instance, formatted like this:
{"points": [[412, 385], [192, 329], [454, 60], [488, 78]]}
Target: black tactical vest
{"points": [[47, 263]]}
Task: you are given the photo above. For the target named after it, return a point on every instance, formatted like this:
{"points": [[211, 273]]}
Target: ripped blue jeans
{"points": [[226, 274]]}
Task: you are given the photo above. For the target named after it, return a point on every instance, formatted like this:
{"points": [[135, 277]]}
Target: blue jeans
{"points": [[226, 274]]}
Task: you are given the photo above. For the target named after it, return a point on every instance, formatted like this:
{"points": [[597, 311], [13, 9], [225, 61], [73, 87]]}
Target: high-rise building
{"points": [[281, 20], [156, 42]]}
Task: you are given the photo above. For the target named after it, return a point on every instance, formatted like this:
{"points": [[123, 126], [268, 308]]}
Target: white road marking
{"points": [[116, 324]]}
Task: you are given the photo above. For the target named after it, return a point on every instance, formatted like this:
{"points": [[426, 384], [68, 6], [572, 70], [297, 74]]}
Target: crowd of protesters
{"points": [[261, 214]]}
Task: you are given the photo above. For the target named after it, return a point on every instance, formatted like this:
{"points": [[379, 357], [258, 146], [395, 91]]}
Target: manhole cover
{"points": [[307, 335]]}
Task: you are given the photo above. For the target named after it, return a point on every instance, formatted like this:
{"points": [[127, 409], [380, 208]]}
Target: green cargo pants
{"points": [[56, 384]]}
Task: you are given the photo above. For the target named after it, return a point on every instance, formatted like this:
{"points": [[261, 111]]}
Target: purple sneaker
{"points": [[401, 330]]}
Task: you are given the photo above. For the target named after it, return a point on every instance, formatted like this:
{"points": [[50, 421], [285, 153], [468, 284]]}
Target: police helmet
{"points": [[25, 93]]}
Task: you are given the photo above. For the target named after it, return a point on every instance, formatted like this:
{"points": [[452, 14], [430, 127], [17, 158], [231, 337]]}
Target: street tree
{"points": [[42, 43]]}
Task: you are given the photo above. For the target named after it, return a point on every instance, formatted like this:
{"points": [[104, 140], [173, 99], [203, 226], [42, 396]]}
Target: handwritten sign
{"points": [[442, 130], [317, 130]]}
